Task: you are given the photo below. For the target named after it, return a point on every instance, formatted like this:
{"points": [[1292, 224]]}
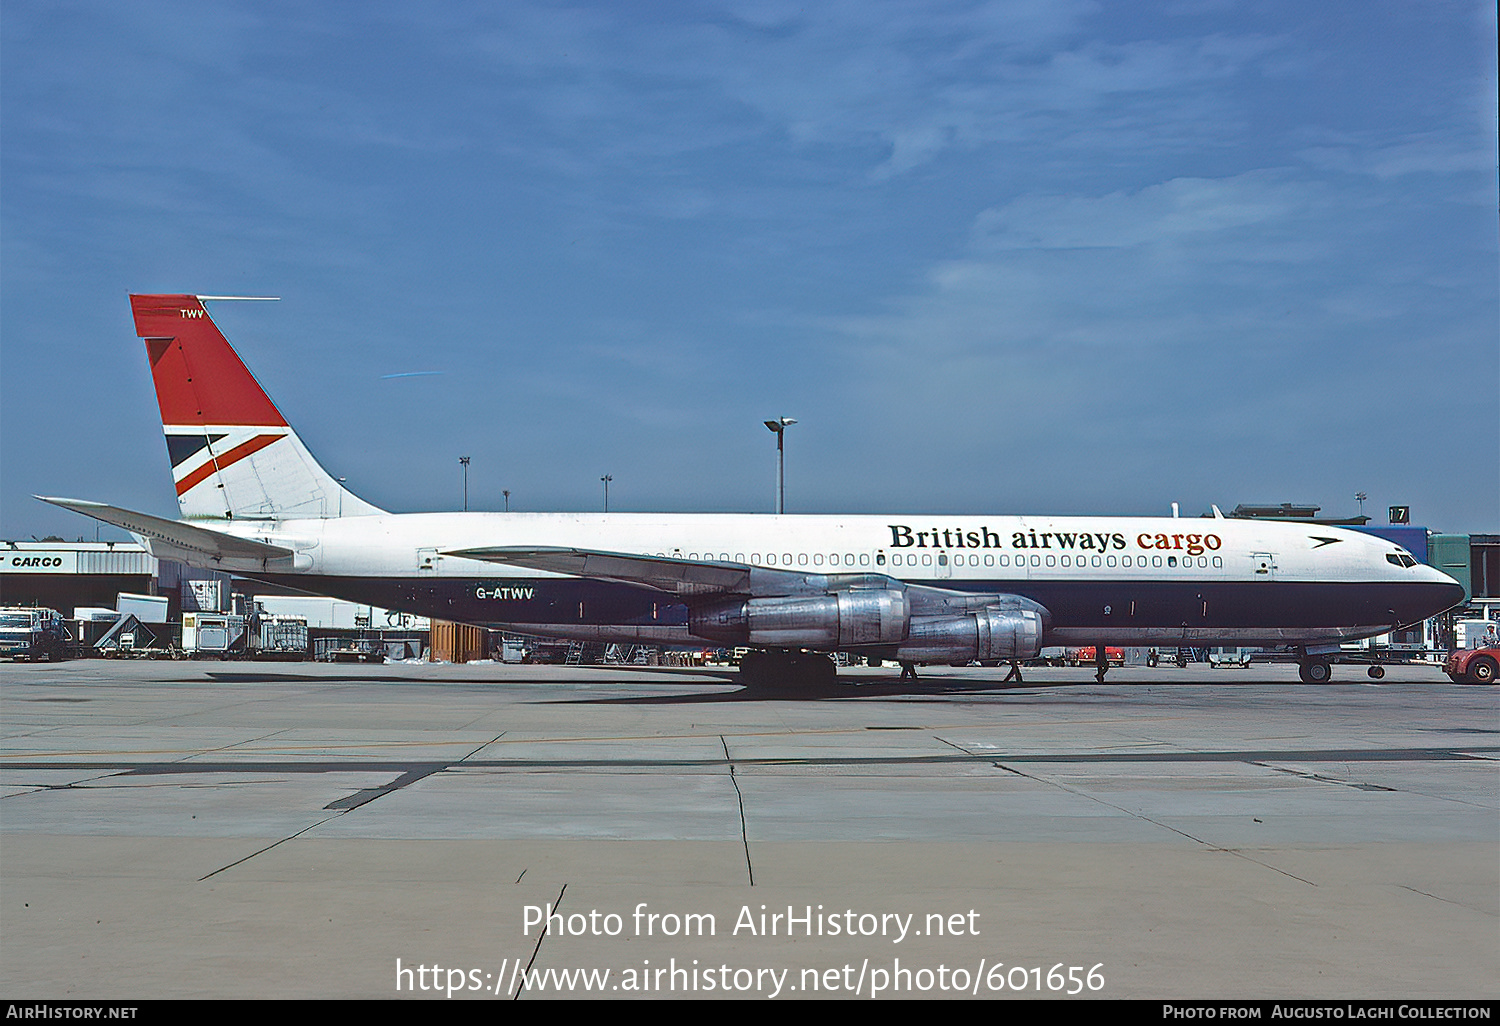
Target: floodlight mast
{"points": [[779, 426]]}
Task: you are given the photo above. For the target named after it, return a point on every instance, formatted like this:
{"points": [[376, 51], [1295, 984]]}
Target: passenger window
{"points": [[990, 560], [818, 559], [1171, 561], [926, 559], [1051, 560], [879, 558], [1110, 560], [942, 559], [1218, 562], [864, 559]]}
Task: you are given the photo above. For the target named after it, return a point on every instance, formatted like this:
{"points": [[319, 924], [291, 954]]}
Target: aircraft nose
{"points": [[1446, 592]]}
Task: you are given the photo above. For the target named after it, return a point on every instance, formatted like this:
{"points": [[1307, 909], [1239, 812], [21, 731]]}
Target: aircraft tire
{"points": [[1377, 672], [1315, 671]]}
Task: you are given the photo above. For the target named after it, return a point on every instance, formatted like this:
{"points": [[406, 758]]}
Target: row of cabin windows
{"points": [[834, 559]]}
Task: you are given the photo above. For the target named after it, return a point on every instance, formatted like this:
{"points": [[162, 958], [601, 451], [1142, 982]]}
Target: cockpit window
{"points": [[1400, 559]]}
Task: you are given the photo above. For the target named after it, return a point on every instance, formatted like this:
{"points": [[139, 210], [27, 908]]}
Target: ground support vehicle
{"points": [[1473, 665], [1178, 656], [132, 638], [34, 633], [1240, 657]]}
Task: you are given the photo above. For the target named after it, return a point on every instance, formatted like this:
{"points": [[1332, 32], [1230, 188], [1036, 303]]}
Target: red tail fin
{"points": [[233, 454], [199, 378]]}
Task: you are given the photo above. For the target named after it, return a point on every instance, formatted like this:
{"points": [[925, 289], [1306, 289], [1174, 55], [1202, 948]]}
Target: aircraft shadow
{"points": [[918, 690]]}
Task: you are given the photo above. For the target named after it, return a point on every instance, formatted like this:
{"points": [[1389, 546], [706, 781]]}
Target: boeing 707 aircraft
{"points": [[913, 589]]}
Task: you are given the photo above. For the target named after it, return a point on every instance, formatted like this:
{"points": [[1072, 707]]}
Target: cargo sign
{"points": [[38, 561]]}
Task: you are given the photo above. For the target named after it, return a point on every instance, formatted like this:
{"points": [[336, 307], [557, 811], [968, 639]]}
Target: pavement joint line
{"points": [[744, 829], [1450, 901], [526, 974], [69, 786], [247, 741], [268, 847], [1156, 823], [1321, 779]]}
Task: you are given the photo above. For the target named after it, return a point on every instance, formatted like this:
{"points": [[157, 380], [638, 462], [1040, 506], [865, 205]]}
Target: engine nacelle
{"points": [[845, 619], [1005, 635]]}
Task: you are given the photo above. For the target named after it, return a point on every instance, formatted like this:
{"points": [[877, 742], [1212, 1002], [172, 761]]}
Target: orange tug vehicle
{"points": [[1473, 665]]}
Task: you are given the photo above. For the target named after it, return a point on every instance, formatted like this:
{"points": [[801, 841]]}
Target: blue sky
{"points": [[1018, 257]]}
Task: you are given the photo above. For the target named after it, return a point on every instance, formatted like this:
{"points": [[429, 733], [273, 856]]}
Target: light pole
{"points": [[463, 461], [607, 478], [1361, 497], [506, 492], [778, 427]]}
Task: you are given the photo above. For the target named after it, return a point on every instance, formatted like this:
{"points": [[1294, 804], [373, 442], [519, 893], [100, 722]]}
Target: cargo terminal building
{"points": [[87, 580]]}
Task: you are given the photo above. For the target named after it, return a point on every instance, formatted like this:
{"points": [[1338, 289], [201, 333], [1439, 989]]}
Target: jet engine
{"points": [[842, 620], [991, 633], [881, 619]]}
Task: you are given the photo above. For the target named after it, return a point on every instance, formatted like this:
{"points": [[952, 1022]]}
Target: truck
{"points": [[33, 633]]}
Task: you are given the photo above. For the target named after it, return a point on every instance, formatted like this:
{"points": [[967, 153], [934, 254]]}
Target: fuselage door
{"points": [[427, 562], [1265, 565], [944, 566]]}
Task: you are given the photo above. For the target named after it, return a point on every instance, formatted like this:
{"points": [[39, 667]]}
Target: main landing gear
{"points": [[1313, 670], [783, 668], [1316, 670]]}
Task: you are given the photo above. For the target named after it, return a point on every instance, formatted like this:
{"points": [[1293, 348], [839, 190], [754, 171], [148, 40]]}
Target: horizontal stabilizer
{"points": [[174, 532]]}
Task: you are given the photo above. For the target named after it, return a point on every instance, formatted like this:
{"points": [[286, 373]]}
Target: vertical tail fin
{"points": [[233, 454]]}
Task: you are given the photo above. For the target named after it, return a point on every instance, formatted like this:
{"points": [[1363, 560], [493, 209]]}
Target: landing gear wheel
{"points": [[1316, 671], [1482, 670], [1377, 672]]}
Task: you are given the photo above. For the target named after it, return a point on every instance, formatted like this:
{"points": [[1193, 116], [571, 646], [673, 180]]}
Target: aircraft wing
{"points": [[191, 537], [685, 578], [690, 579]]}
